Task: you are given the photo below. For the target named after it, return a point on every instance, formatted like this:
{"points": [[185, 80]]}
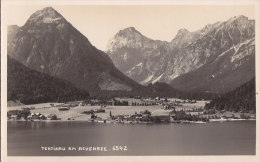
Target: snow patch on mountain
{"points": [[157, 79], [148, 79], [136, 67], [173, 76], [140, 64], [241, 54]]}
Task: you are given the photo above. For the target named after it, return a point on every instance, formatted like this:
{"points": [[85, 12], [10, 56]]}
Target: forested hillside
{"points": [[29, 86], [241, 99]]}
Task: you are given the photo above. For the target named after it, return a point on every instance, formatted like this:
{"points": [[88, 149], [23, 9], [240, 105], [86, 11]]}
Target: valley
{"points": [[129, 111], [194, 94]]}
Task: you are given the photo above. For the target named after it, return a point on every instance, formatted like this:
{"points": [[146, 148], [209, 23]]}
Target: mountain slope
{"points": [[49, 44], [150, 61], [29, 86], [136, 55], [241, 99], [131, 51], [229, 70]]}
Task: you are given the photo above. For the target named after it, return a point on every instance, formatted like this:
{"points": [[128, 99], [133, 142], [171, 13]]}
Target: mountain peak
{"points": [[180, 34], [46, 15], [242, 17], [147, 61], [51, 45], [182, 31], [239, 18], [129, 34], [128, 31], [129, 37], [48, 9]]}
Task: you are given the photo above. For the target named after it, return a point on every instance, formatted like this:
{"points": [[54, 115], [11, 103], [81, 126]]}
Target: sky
{"points": [[99, 23]]}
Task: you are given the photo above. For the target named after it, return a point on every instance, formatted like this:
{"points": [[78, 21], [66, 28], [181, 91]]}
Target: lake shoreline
{"points": [[183, 113], [114, 122]]}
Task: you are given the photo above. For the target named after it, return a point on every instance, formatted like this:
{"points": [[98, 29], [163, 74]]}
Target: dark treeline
{"points": [[29, 86], [241, 99], [152, 90], [120, 103], [198, 95], [20, 113], [157, 89], [165, 90]]}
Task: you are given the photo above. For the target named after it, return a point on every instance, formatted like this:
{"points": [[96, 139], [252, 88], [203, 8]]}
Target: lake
{"points": [[219, 138]]}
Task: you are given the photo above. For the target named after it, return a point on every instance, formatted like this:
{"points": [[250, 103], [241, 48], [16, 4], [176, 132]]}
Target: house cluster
{"points": [[168, 107], [160, 101], [143, 103], [14, 117], [25, 114], [96, 102], [101, 110], [18, 114], [39, 116], [142, 117], [36, 116], [189, 101]]}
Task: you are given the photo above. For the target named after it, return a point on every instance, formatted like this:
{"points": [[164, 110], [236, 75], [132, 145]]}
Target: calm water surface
{"points": [[227, 138]]}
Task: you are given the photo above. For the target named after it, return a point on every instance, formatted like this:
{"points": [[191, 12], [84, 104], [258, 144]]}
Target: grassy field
{"points": [[75, 113]]}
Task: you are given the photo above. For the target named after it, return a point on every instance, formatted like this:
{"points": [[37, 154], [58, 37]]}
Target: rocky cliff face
{"points": [[136, 55], [48, 43], [150, 61], [227, 71]]}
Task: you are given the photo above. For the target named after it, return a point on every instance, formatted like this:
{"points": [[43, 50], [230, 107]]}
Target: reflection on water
{"points": [[228, 138]]}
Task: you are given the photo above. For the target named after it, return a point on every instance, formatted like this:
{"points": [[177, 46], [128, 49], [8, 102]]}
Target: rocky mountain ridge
{"points": [[149, 61], [49, 44]]}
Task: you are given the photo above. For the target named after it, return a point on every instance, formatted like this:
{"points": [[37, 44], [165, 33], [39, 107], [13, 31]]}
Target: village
{"points": [[126, 110]]}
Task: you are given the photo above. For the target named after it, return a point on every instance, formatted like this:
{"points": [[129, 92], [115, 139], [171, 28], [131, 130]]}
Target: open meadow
{"points": [[75, 113]]}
